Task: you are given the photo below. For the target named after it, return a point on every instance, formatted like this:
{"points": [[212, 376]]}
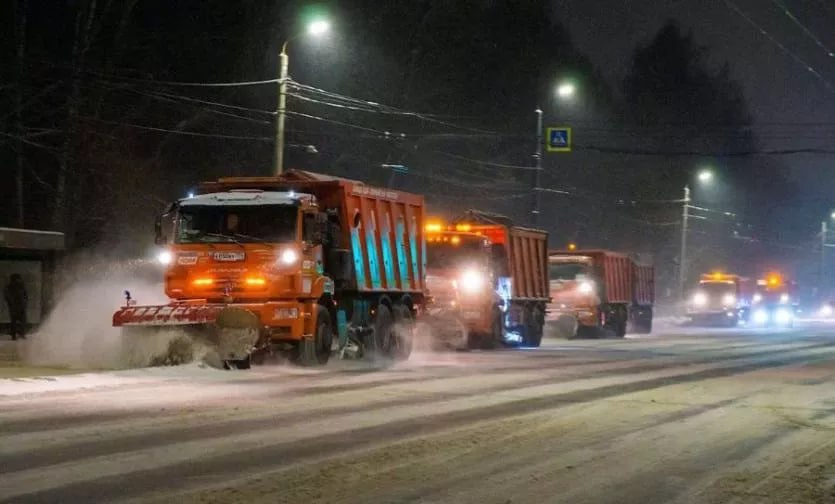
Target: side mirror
{"points": [[159, 237]]}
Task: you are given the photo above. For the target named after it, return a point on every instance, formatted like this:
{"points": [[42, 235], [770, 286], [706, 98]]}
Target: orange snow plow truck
{"points": [[594, 290], [299, 264], [487, 277]]}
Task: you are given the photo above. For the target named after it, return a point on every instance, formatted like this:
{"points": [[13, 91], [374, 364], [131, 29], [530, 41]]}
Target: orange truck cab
{"points": [[720, 299], [599, 289], [293, 263], [487, 276]]}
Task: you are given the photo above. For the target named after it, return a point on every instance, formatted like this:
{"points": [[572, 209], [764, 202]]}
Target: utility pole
{"points": [[283, 62], [823, 258], [682, 266], [537, 189]]}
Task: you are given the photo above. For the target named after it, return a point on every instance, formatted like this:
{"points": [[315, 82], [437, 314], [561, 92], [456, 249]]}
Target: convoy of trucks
{"points": [[305, 264], [729, 300], [599, 290]]}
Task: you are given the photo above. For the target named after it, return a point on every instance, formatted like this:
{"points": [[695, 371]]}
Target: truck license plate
{"points": [[472, 314], [229, 256]]}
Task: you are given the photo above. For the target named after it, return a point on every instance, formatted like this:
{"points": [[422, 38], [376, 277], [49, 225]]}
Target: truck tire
{"points": [[619, 324], [380, 342], [403, 333], [490, 340], [534, 328], [641, 321], [316, 351]]}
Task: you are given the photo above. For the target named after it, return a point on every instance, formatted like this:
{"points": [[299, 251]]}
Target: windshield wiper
{"points": [[255, 238], [228, 237]]}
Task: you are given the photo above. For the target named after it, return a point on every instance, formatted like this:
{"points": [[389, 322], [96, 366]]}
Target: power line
{"points": [[803, 27], [482, 162], [178, 132], [385, 108], [782, 47], [180, 83]]}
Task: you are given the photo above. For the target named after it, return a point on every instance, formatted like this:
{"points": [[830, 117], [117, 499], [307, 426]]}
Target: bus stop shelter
{"points": [[33, 255]]}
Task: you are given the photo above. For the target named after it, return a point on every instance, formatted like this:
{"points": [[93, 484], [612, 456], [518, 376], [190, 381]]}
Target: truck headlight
{"points": [[757, 298], [825, 311], [165, 257], [586, 287], [783, 316], [700, 299], [288, 257], [760, 317], [784, 298], [471, 281], [728, 299]]}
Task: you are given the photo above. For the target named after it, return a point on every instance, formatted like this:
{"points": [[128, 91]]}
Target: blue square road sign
{"points": [[558, 139]]}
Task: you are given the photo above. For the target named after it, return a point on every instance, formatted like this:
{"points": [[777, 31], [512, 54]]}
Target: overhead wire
{"points": [[782, 6], [734, 7]]}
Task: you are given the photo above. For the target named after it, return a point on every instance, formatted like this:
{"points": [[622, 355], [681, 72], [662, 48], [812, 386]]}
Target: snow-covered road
{"points": [[686, 415]]}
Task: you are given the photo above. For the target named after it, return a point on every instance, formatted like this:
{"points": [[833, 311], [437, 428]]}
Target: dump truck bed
{"points": [[626, 281]]}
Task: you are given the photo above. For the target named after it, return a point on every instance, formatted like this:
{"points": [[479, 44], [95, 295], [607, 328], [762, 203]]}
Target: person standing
{"points": [[16, 300]]}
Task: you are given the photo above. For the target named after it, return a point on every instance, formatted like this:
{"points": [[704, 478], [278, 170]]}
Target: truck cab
{"points": [[720, 299], [243, 245]]}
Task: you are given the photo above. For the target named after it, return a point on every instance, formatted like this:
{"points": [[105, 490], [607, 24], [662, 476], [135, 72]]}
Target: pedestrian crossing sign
{"points": [[559, 139]]}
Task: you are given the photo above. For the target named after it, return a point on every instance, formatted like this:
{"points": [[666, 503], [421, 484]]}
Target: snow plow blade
{"points": [[230, 332]]}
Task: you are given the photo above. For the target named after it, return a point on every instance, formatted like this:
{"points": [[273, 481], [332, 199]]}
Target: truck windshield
{"points": [[718, 288], [240, 224], [447, 254], [567, 270]]}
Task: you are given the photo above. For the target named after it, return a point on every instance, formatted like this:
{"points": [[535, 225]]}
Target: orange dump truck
{"points": [[488, 277], [293, 264], [599, 289]]}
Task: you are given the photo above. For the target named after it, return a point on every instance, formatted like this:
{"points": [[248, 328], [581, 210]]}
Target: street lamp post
{"points": [[281, 113], [682, 264], [537, 190], [316, 28], [564, 91], [705, 177], [824, 235]]}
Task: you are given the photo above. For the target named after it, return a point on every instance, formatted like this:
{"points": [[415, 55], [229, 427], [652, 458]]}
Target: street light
{"points": [[565, 91], [315, 28], [704, 177]]}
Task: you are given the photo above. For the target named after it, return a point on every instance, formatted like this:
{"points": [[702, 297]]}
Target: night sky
{"points": [[476, 69], [790, 106]]}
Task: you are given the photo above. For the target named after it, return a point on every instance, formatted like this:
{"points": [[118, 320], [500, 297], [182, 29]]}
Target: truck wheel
{"points": [[317, 350], [379, 342], [533, 331], [490, 340], [620, 323], [641, 321], [238, 363], [403, 333]]}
